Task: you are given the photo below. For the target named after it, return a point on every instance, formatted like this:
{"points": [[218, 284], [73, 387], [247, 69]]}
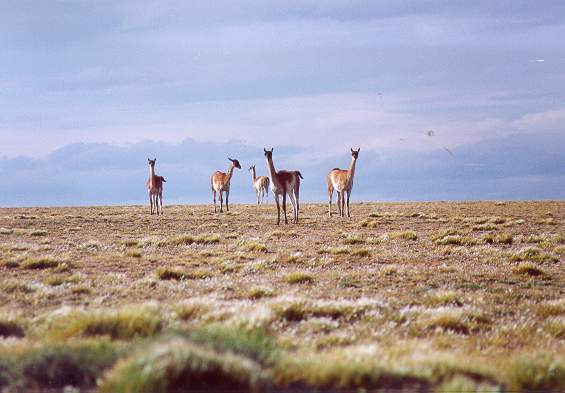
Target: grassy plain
{"points": [[413, 296]]}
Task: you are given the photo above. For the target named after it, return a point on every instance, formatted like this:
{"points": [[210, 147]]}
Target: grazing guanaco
{"points": [[260, 184], [342, 181], [155, 187], [283, 183], [221, 183]]}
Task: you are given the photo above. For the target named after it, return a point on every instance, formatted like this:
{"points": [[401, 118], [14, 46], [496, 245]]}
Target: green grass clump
{"points": [[40, 263], [528, 269], [165, 273], [123, 324], [299, 278], [176, 362], [404, 235]]}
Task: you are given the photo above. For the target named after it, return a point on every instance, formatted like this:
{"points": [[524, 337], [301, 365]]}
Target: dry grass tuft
{"points": [[404, 235], [185, 240], [299, 278], [169, 274], [191, 310], [361, 252], [251, 246], [443, 298], [556, 327], [533, 254], [259, 293], [528, 269], [353, 240], [131, 243], [166, 365], [38, 232], [551, 308], [484, 227], [133, 254], [123, 324], [535, 372], [499, 238], [40, 263], [456, 240]]}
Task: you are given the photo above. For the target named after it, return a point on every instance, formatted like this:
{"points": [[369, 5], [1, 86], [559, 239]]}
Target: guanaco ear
{"points": [[272, 148], [358, 150], [264, 150], [155, 159], [230, 159], [351, 149]]}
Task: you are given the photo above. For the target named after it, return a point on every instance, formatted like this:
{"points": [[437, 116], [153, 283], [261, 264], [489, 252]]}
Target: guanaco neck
{"points": [[151, 171], [253, 175], [272, 172], [351, 171], [229, 175]]}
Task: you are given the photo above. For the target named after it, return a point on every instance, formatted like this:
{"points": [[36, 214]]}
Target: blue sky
{"points": [[310, 76]]}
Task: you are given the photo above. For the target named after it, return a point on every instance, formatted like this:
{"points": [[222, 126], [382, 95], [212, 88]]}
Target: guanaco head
{"points": [[251, 168], [355, 153], [268, 154], [235, 163], [151, 162]]}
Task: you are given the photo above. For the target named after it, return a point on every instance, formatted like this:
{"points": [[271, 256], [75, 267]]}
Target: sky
{"points": [[467, 96]]}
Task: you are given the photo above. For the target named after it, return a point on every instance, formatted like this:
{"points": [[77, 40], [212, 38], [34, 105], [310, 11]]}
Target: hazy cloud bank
{"points": [[521, 166]]}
